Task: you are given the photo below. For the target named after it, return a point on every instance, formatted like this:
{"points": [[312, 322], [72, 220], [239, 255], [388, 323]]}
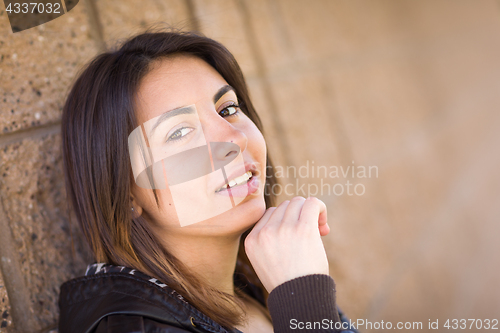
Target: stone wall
{"points": [[409, 88]]}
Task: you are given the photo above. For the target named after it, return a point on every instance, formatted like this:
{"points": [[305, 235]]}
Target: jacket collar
{"points": [[108, 289]]}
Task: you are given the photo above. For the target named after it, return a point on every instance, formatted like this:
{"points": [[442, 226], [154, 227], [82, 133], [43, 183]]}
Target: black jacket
{"points": [[123, 300]]}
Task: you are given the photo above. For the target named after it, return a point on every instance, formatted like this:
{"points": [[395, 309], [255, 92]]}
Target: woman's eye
{"points": [[179, 134], [229, 110]]}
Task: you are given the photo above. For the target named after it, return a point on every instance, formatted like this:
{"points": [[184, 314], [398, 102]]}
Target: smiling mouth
{"points": [[243, 179]]}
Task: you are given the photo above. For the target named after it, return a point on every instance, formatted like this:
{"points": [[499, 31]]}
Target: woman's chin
{"points": [[235, 220]]}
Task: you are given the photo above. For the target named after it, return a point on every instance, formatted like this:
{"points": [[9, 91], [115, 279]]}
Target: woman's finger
{"points": [[292, 212], [324, 229], [313, 211], [278, 213], [263, 220]]}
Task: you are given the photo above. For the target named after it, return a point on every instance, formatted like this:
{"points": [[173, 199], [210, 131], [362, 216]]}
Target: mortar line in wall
{"points": [[337, 121], [261, 72], [63, 3], [19, 299], [30, 133], [441, 221], [193, 19], [95, 25], [369, 55]]}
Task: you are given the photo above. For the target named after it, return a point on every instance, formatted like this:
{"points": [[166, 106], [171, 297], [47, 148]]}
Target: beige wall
{"points": [[411, 87]]}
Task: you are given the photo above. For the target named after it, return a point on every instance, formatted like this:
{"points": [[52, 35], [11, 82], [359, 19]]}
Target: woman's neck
{"points": [[212, 259]]}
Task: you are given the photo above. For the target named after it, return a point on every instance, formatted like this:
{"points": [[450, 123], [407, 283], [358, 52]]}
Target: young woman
{"points": [[167, 171]]}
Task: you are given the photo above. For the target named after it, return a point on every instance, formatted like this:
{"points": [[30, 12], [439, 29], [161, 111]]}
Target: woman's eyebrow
{"points": [[221, 92], [189, 109], [172, 113]]}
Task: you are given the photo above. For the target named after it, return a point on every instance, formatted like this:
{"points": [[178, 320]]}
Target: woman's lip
{"points": [[242, 190], [249, 166]]}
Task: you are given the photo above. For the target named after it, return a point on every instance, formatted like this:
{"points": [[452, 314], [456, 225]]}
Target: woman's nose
{"points": [[226, 141], [223, 153]]}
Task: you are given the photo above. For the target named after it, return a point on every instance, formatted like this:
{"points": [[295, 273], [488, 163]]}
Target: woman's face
{"points": [[197, 140]]}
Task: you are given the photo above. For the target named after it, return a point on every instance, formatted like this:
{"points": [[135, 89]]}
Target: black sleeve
{"points": [[305, 304]]}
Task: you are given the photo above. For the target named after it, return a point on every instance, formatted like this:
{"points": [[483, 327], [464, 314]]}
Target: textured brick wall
{"points": [[409, 87], [38, 247], [6, 320]]}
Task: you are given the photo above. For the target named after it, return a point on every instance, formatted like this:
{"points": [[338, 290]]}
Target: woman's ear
{"points": [[135, 207]]}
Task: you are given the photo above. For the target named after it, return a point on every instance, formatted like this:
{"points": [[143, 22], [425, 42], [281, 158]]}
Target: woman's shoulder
{"points": [[87, 303]]}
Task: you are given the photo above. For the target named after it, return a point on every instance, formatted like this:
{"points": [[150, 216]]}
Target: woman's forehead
{"points": [[175, 82], [181, 74]]}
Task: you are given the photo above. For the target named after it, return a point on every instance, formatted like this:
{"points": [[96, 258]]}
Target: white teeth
{"points": [[238, 180]]}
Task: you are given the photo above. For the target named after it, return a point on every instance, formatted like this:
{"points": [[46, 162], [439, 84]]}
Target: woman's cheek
{"points": [[164, 212], [256, 139]]}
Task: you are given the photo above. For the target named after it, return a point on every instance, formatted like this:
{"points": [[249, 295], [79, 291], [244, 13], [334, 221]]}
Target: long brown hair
{"points": [[97, 118]]}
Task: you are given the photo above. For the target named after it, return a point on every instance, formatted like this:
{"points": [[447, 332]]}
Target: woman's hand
{"points": [[286, 242]]}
